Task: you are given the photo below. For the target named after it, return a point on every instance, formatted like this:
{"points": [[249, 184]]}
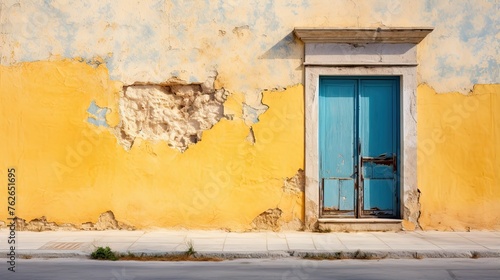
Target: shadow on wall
{"points": [[289, 47]]}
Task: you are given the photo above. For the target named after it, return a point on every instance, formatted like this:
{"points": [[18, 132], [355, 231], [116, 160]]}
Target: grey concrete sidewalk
{"points": [[418, 244]]}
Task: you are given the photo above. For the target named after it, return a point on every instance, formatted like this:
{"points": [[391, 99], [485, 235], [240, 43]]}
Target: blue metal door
{"points": [[359, 146]]}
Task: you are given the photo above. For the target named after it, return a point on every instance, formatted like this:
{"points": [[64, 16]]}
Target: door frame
{"points": [[372, 51], [359, 211], [407, 134]]}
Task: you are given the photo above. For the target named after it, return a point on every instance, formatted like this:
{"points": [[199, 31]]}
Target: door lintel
{"points": [[354, 35]]}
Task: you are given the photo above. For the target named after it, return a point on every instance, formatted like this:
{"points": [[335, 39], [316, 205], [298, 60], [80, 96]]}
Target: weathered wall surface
{"points": [[156, 39], [93, 115], [458, 154], [70, 170]]}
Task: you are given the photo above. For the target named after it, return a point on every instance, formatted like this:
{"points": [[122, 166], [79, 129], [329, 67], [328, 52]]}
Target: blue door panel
{"points": [[378, 134], [336, 134], [346, 199], [376, 117], [331, 195], [378, 195], [338, 195], [336, 129]]}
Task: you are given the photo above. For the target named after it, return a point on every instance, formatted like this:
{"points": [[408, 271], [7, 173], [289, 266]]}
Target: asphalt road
{"points": [[283, 269]]}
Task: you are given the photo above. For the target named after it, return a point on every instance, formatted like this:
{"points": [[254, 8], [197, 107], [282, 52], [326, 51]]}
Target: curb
{"points": [[311, 255]]}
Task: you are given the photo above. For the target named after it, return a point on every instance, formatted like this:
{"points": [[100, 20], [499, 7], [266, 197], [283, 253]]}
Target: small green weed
{"points": [[101, 253], [190, 251]]}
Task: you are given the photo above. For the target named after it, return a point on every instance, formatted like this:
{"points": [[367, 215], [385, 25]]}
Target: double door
{"points": [[359, 146]]}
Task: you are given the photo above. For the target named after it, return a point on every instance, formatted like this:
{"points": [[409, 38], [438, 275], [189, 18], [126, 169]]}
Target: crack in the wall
{"points": [[175, 112], [251, 136]]}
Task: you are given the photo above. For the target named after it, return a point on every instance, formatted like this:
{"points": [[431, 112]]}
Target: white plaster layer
{"points": [[249, 43], [360, 54]]}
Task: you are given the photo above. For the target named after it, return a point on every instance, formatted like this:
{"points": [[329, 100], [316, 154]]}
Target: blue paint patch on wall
{"points": [[251, 113], [106, 10], [97, 115], [158, 5], [193, 79], [66, 27], [146, 32]]}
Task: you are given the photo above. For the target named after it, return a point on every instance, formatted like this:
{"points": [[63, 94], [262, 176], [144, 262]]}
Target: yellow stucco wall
{"points": [[71, 171], [459, 158]]}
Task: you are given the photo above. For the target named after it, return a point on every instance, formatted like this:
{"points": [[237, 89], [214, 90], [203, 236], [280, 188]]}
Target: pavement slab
{"points": [[416, 244]]}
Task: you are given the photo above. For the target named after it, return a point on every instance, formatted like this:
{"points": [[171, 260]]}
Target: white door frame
{"points": [[362, 52]]}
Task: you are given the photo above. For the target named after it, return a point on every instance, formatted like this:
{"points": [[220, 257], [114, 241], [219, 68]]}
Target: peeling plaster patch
{"points": [[96, 60], [295, 224], [106, 221], [311, 214], [37, 224], [97, 115], [251, 114], [253, 106], [295, 184], [268, 220], [241, 31], [174, 112], [412, 209]]}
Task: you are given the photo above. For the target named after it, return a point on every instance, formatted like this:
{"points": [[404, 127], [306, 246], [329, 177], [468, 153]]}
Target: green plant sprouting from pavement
{"points": [[101, 253], [190, 251]]}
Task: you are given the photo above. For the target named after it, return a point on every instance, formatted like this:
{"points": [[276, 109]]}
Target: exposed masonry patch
{"points": [[106, 221], [268, 220], [295, 184], [412, 208], [175, 112], [295, 224]]}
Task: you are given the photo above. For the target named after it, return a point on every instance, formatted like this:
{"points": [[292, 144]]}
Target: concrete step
{"points": [[367, 224]]}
